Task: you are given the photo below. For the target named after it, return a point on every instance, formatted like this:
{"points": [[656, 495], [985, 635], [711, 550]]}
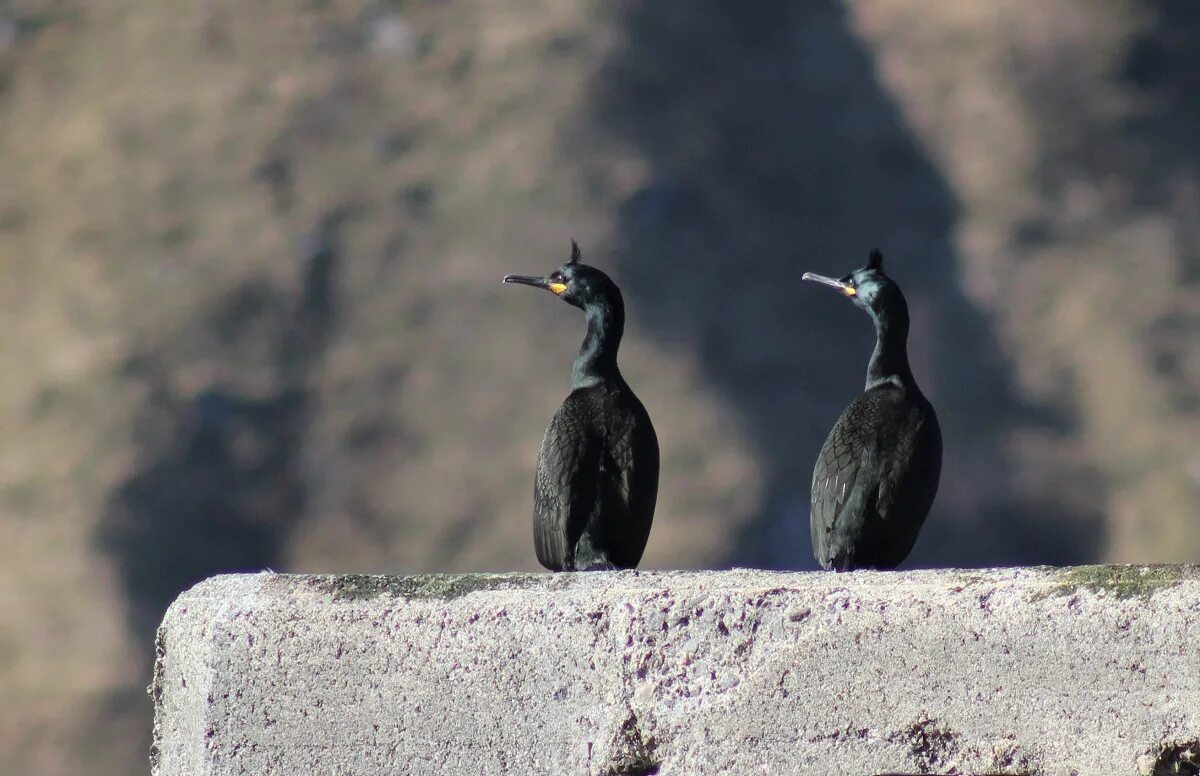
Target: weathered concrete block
{"points": [[1092, 670]]}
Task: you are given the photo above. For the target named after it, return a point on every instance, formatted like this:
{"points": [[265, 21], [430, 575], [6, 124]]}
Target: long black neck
{"points": [[597, 359], [889, 362]]}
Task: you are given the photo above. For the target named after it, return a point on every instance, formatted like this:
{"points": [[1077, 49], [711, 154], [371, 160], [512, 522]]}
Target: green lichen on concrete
{"points": [[963, 580], [358, 587], [1120, 582]]}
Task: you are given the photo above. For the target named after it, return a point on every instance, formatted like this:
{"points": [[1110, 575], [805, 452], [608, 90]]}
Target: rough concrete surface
{"points": [[1090, 670]]}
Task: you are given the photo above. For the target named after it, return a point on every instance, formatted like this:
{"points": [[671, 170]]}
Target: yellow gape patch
{"points": [[850, 291], [557, 288]]}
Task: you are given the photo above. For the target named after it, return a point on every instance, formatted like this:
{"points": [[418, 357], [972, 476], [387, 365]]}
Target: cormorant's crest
{"points": [[875, 260], [575, 255]]}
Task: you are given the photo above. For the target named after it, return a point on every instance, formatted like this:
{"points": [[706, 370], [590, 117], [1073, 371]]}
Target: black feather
{"points": [[597, 482], [875, 480], [597, 472], [877, 474]]}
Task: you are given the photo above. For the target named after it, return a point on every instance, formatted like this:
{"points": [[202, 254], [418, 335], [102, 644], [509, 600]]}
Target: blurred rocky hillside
{"points": [[252, 314]]}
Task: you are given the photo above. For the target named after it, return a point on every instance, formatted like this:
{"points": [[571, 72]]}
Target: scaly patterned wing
{"points": [[562, 499], [634, 454], [911, 485], [835, 477]]}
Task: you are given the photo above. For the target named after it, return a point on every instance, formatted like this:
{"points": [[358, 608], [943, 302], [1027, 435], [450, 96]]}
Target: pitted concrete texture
{"points": [[1087, 671]]}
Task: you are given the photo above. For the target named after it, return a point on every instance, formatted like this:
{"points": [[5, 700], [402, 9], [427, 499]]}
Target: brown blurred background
{"points": [[252, 315]]}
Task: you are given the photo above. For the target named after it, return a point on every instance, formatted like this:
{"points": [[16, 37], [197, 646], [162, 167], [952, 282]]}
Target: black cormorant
{"points": [[878, 471], [597, 472]]}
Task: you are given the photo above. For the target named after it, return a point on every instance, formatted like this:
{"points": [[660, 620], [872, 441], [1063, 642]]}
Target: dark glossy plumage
{"points": [[597, 481], [597, 474], [875, 481], [877, 474]]}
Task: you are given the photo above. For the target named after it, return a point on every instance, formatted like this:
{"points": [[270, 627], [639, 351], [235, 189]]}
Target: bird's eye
{"points": [[557, 277]]}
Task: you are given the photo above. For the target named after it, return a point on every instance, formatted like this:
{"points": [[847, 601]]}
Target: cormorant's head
{"points": [[574, 282], [868, 287]]}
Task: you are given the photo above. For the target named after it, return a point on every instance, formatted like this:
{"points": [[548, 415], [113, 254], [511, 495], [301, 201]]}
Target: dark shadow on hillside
{"points": [[218, 487], [1163, 65], [775, 150]]}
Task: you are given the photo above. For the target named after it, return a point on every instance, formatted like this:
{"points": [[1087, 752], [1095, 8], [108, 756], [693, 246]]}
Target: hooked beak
{"points": [[845, 288], [529, 280]]}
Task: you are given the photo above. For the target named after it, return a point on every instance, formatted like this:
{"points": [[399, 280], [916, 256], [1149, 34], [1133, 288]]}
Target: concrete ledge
{"points": [[1090, 670]]}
